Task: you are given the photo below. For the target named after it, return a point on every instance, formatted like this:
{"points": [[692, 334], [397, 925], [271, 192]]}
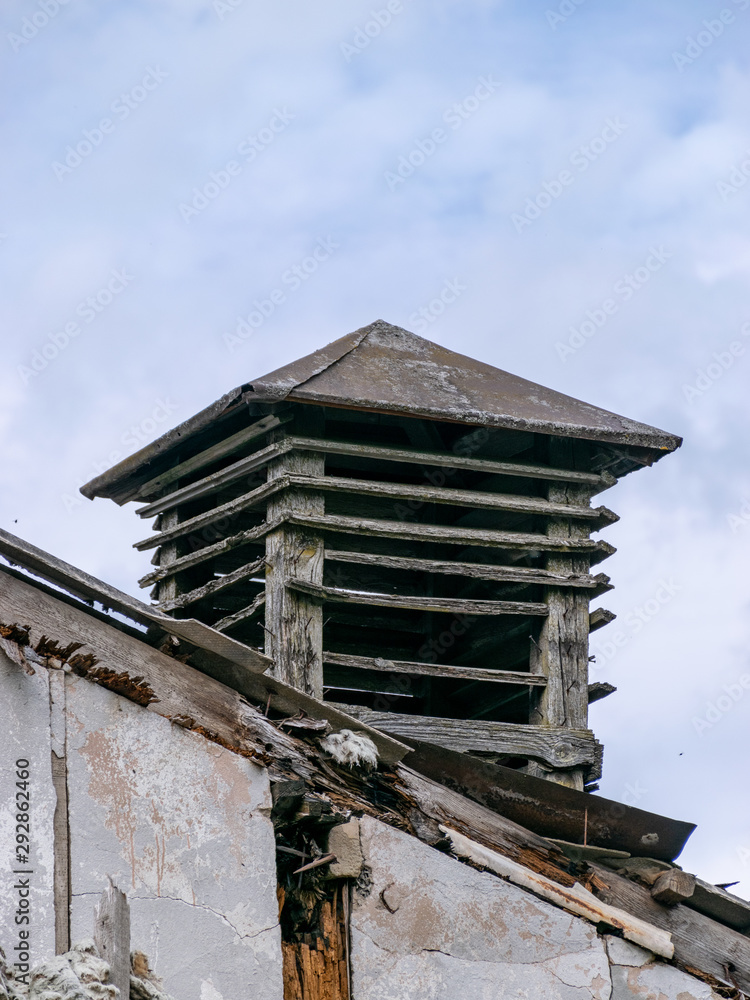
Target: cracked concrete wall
{"points": [[457, 932], [183, 827], [26, 735]]}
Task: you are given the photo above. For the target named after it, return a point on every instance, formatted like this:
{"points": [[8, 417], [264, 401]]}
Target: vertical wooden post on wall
{"points": [[294, 621], [112, 936], [563, 650]]}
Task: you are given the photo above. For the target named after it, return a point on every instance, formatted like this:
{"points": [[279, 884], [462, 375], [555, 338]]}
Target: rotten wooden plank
{"points": [[556, 747], [600, 617], [215, 586], [478, 571], [112, 936], [216, 452], [432, 669], [439, 604], [245, 614]]}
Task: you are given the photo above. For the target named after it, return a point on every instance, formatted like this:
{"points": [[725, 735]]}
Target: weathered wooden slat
{"points": [[215, 586], [600, 516], [480, 537], [82, 585], [216, 452], [450, 460], [721, 905], [477, 571], [224, 512], [455, 605], [209, 552], [386, 529], [433, 670], [556, 747], [594, 481], [241, 616]]}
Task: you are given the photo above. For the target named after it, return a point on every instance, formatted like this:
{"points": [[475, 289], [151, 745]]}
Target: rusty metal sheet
{"points": [[549, 809], [384, 367]]}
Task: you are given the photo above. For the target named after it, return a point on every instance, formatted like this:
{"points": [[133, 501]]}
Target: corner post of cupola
{"points": [[295, 553], [562, 652]]}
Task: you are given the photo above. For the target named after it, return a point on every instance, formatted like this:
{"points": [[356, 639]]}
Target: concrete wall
{"points": [[179, 824], [460, 934]]}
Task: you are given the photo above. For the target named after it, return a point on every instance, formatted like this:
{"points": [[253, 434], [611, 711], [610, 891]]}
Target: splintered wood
{"points": [[315, 968]]}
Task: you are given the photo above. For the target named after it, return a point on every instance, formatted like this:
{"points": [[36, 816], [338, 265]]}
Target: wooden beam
{"points": [[599, 690], [82, 585], [241, 616], [672, 887], [455, 605], [294, 619], [210, 699], [561, 653], [433, 670], [599, 516], [452, 461], [595, 481], [112, 936], [700, 942], [480, 537], [477, 571], [555, 747], [215, 586], [215, 453], [600, 617], [385, 529]]}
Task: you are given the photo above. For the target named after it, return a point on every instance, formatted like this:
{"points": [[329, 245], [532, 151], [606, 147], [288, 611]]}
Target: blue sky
{"points": [[617, 133]]}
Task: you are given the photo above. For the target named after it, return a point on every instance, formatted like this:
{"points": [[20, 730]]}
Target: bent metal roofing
{"points": [[387, 369]]}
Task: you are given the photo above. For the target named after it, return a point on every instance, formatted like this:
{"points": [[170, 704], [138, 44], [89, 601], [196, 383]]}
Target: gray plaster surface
{"points": [[622, 952], [657, 982], [183, 827], [456, 932], [26, 735]]}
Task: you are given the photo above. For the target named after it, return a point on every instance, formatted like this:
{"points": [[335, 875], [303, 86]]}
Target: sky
{"points": [[560, 191]]}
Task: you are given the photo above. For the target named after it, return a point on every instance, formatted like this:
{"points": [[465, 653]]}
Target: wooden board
{"points": [[439, 604], [433, 670], [559, 748]]}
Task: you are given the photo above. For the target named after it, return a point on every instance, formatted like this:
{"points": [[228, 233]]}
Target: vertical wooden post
{"points": [[168, 589], [112, 936], [294, 621], [562, 653]]}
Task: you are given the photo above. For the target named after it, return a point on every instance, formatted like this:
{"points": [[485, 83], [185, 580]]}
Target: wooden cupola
{"points": [[407, 533]]}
